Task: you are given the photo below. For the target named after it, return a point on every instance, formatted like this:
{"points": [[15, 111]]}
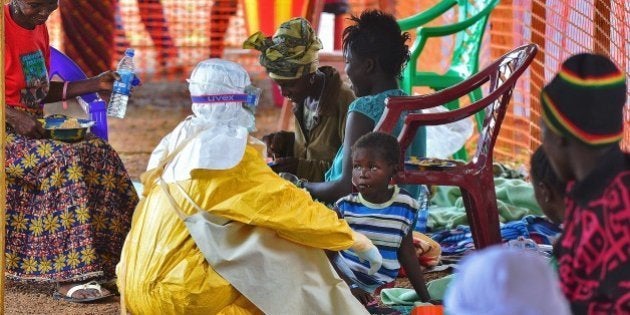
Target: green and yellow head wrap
{"points": [[291, 52]]}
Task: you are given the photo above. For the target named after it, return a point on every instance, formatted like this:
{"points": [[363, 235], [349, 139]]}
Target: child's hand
{"points": [[279, 144], [363, 296]]}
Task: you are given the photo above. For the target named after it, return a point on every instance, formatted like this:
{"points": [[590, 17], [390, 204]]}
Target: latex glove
{"points": [[293, 179], [290, 177], [365, 250]]}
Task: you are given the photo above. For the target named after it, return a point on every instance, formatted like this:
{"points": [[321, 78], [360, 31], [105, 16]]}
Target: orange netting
{"points": [[559, 27], [171, 36]]}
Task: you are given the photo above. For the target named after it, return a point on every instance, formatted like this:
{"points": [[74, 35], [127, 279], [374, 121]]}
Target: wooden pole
{"points": [[3, 175], [502, 29], [502, 40], [602, 27], [539, 13]]}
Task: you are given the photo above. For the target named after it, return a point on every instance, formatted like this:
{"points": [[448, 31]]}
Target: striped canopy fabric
{"points": [[267, 15]]}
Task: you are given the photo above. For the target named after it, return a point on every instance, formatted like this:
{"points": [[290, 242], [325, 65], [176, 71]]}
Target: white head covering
{"points": [[216, 135], [501, 280]]}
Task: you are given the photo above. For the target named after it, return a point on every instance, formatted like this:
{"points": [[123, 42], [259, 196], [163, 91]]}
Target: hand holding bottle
{"points": [[105, 82], [122, 87]]}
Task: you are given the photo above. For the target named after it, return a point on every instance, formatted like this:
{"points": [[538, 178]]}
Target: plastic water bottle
{"points": [[423, 211], [120, 92]]}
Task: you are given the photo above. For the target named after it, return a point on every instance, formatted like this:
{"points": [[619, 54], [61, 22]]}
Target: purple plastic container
{"points": [[62, 66], [98, 113]]}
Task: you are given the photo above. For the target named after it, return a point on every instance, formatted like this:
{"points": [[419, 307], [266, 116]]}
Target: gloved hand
{"points": [[373, 256], [292, 178], [365, 250]]}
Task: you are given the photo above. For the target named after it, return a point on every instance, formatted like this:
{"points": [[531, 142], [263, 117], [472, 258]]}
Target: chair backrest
{"points": [[63, 67], [501, 76]]}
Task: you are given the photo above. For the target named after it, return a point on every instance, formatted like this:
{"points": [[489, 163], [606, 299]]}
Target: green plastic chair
{"points": [[469, 29]]}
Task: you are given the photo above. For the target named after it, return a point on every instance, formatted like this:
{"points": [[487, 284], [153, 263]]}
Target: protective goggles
{"points": [[250, 97]]}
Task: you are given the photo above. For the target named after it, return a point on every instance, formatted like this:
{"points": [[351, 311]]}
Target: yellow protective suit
{"points": [[163, 272]]}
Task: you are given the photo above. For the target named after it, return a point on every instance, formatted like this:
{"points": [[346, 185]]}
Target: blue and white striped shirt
{"points": [[385, 225]]}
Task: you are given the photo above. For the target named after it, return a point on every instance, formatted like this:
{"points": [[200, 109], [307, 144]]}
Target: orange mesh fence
{"points": [[171, 36], [560, 28]]}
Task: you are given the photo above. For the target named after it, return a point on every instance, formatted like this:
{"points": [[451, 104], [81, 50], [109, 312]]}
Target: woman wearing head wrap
{"points": [[319, 96], [218, 232], [582, 111]]}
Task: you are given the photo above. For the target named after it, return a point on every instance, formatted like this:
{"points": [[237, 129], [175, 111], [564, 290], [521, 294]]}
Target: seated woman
{"points": [[375, 53], [319, 97], [218, 232], [68, 205]]}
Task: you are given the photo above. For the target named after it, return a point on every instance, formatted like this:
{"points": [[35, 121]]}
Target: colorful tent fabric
{"points": [[88, 38], [267, 15]]}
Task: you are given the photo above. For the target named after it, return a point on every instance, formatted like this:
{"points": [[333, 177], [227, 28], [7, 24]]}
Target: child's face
{"points": [[556, 153], [550, 202], [371, 174], [355, 71]]}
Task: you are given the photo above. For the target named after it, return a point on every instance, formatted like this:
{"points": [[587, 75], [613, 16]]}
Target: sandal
{"points": [[92, 285]]}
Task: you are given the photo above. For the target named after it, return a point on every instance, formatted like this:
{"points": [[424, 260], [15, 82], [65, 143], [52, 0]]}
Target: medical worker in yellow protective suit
{"points": [[218, 232]]}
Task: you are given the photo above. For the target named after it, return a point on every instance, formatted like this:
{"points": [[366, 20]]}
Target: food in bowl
{"points": [[66, 128], [423, 163]]}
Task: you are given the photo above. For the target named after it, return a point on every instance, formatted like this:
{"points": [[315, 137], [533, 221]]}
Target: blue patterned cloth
{"points": [[460, 239]]}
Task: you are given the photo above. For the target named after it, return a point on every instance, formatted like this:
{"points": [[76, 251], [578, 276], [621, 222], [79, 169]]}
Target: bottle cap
{"points": [[130, 52]]}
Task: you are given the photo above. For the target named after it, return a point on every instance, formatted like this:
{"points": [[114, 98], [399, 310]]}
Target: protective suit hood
{"points": [[216, 135]]}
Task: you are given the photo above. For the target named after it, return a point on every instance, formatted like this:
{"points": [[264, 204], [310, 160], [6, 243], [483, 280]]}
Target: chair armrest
{"points": [[426, 16]]}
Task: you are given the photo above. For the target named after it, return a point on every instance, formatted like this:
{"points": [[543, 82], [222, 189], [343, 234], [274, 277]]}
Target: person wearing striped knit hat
{"points": [[582, 126]]}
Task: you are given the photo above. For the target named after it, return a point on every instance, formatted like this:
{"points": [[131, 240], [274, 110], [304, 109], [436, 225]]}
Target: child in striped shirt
{"points": [[384, 213]]}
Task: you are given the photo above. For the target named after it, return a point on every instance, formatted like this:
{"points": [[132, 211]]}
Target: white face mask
{"points": [[230, 114]]}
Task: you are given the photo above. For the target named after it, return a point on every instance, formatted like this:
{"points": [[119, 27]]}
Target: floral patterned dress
{"points": [[69, 208]]}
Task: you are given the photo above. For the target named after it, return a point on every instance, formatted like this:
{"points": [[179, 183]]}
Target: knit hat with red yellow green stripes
{"points": [[585, 100]]}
